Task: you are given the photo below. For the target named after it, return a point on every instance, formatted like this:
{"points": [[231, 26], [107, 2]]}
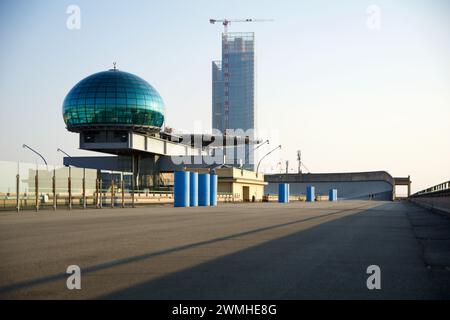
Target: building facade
{"points": [[217, 96], [240, 185], [233, 88]]}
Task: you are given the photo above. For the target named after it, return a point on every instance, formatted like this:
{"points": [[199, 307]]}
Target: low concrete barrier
{"points": [[440, 204]]}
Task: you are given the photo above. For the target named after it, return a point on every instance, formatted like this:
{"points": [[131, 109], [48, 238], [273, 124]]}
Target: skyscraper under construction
{"points": [[233, 86], [233, 102]]}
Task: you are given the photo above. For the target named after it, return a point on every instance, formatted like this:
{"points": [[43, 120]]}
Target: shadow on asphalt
{"points": [[107, 265], [327, 261]]}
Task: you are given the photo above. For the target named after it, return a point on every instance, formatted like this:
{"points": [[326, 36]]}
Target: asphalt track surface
{"points": [[233, 251]]}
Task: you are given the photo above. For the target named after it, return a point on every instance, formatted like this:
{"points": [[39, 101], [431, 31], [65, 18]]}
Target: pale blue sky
{"points": [[351, 98]]}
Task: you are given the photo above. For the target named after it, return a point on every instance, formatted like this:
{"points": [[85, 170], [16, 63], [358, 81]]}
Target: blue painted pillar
{"points": [[181, 189], [203, 189], [193, 189], [332, 195], [310, 193], [288, 192], [282, 192], [213, 190]]}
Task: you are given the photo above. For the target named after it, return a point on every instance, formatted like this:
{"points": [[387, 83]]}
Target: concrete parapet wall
{"points": [[441, 204], [330, 177], [376, 185], [376, 190]]}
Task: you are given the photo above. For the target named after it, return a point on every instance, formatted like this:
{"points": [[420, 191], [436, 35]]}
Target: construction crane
{"points": [[225, 65], [300, 163], [226, 22]]}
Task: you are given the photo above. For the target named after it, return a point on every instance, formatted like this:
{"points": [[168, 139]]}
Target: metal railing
{"points": [[437, 190], [32, 186], [27, 186]]}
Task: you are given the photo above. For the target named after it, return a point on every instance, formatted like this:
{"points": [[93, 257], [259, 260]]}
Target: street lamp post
{"points": [[36, 177], [69, 182], [62, 151], [40, 155], [257, 168], [263, 143]]}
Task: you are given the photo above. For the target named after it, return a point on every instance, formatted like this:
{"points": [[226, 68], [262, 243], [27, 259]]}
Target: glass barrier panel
{"points": [[27, 182], [45, 186], [61, 186], [90, 182], [8, 185], [77, 186]]}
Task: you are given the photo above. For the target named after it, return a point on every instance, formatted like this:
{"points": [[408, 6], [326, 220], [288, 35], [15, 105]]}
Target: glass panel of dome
{"points": [[112, 97], [131, 101]]}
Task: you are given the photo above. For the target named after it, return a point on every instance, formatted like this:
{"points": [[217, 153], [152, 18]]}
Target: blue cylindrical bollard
{"points": [[193, 189], [213, 190], [310, 193], [203, 189], [282, 192], [288, 192], [332, 195], [181, 189]]}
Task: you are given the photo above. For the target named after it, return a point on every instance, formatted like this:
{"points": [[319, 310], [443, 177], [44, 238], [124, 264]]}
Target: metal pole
{"points": [[54, 189], [96, 193], [101, 193], [132, 181], [36, 184], [84, 188], [409, 186], [40, 155], [112, 190], [257, 168], [17, 192], [62, 151], [69, 187], [267, 141], [18, 187], [123, 192], [138, 164]]}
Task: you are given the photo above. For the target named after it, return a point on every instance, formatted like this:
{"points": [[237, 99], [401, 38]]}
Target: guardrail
{"points": [[28, 186], [435, 198], [31, 186], [437, 190]]}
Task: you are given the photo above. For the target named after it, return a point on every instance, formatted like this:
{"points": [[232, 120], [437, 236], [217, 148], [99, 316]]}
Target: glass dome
{"points": [[113, 99]]}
